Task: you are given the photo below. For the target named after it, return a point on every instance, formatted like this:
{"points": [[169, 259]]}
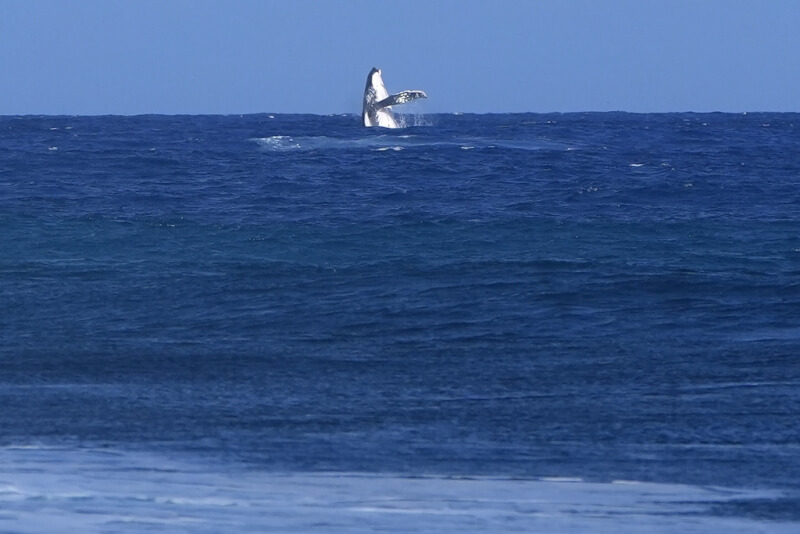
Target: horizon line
{"points": [[357, 115]]}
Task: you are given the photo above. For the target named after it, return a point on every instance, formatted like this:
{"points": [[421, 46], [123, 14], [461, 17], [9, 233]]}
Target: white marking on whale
{"points": [[377, 110]]}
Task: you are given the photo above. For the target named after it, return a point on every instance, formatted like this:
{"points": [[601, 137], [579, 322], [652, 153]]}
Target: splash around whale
{"points": [[377, 109]]}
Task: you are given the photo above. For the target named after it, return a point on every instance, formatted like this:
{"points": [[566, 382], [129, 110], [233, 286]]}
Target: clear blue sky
{"points": [[295, 56]]}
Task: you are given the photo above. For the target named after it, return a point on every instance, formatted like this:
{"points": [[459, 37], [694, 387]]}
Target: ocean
{"points": [[581, 322]]}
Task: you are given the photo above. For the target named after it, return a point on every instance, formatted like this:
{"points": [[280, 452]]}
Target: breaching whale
{"points": [[377, 110]]}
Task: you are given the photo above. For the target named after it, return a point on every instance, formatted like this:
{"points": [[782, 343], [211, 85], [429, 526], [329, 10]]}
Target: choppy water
{"points": [[280, 299]]}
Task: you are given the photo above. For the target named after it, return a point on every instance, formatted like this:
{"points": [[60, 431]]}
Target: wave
{"points": [[384, 142], [101, 490]]}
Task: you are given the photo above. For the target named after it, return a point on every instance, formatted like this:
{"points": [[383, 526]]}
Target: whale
{"points": [[377, 110]]}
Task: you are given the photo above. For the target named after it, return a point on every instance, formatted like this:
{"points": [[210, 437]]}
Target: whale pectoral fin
{"points": [[400, 98]]}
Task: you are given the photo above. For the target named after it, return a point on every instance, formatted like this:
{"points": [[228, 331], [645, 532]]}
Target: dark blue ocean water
{"points": [[604, 295]]}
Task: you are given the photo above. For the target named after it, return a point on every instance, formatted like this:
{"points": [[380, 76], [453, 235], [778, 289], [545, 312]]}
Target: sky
{"points": [[127, 57]]}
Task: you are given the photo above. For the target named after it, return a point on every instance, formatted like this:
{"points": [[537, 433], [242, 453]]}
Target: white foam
{"points": [[66, 490], [283, 143], [279, 143], [370, 141]]}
